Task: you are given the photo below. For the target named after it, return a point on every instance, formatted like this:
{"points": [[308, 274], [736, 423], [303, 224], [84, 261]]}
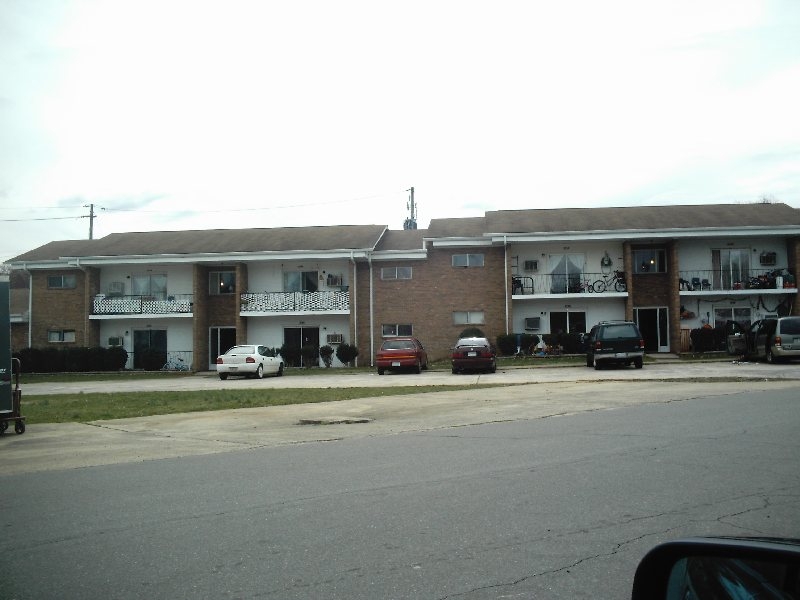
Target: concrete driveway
{"points": [[540, 393]]}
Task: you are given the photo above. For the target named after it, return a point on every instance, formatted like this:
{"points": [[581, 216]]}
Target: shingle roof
{"points": [[641, 218], [456, 228], [214, 241], [407, 239]]}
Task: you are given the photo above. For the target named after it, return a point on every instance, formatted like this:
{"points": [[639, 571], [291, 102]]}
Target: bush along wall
{"points": [[72, 359], [507, 343]]}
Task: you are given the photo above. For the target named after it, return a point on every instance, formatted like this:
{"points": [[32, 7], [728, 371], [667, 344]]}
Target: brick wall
{"points": [[59, 309], [428, 300], [793, 253]]}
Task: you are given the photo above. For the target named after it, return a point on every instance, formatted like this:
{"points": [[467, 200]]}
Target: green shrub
{"points": [[346, 353], [310, 354], [326, 352], [507, 343], [291, 355]]}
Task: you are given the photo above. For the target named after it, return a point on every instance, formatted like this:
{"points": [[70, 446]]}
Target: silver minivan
{"points": [[774, 340]]}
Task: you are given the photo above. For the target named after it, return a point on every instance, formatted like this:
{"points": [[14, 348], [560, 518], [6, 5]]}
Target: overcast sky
{"points": [[192, 114]]}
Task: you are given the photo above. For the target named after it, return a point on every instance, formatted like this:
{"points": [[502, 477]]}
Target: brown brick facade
{"points": [[62, 309], [428, 300]]}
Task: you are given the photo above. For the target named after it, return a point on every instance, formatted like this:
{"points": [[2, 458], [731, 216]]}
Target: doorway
{"points": [[654, 325], [294, 338], [149, 348], [220, 340]]}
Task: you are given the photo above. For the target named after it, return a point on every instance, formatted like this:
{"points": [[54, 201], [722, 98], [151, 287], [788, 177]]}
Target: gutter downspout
{"points": [[505, 279], [371, 314], [30, 304], [354, 295]]}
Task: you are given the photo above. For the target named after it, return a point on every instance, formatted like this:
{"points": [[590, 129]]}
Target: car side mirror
{"points": [[710, 568]]}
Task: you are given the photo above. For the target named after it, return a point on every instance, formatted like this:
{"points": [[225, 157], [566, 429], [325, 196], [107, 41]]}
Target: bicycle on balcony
{"points": [[615, 280]]}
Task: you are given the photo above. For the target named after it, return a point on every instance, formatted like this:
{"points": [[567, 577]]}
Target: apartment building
{"points": [[193, 294]]}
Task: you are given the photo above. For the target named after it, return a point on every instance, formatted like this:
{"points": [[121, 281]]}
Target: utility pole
{"points": [[91, 220], [411, 221]]}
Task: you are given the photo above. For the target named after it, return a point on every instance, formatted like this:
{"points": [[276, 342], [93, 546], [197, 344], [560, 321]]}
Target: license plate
{"points": [[396, 363], [233, 368], [621, 355], [472, 354]]}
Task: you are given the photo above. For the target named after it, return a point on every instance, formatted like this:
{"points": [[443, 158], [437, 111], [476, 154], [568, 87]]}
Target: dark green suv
{"points": [[615, 343]]}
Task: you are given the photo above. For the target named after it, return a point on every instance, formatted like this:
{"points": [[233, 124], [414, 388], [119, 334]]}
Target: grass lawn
{"points": [[80, 408]]}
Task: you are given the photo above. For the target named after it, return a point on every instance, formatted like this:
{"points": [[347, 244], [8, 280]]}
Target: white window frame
{"points": [[394, 330], [61, 336], [68, 282], [469, 317], [465, 261], [392, 273]]}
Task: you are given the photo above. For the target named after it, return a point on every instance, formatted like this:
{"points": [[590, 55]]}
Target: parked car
{"points": [[249, 361], [615, 343], [474, 354], [401, 353], [774, 340]]}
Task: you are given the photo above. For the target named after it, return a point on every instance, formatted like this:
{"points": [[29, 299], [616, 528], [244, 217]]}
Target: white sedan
{"points": [[249, 361]]}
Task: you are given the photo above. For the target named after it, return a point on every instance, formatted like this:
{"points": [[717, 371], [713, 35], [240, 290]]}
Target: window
{"points": [[468, 317], [221, 282], [567, 322], [61, 282], [731, 266], [650, 260], [396, 273], [467, 260], [154, 286], [395, 329], [300, 281], [566, 272], [61, 335], [740, 315]]}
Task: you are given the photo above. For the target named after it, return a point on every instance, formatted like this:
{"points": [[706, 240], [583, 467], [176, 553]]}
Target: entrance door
{"points": [[149, 349], [295, 338], [220, 340], [654, 325]]}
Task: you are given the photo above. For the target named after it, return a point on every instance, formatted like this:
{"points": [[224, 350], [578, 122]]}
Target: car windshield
{"points": [[242, 350], [623, 330], [398, 345], [791, 326]]}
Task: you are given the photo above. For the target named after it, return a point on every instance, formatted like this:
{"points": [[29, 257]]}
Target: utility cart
{"points": [[15, 414]]}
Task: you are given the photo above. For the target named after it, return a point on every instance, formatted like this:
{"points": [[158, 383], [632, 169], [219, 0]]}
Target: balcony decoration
{"points": [[606, 261], [686, 314]]}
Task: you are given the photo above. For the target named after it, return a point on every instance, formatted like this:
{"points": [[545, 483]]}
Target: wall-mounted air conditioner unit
{"points": [[531, 265], [116, 341], [533, 323], [116, 288], [335, 338]]}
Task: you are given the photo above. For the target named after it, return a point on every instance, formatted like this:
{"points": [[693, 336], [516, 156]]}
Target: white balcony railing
{"points": [[137, 305], [574, 283], [266, 302], [727, 281]]}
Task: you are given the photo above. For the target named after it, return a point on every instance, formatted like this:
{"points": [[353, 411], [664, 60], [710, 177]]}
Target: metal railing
{"points": [[727, 281], [295, 301], [137, 305], [574, 283]]}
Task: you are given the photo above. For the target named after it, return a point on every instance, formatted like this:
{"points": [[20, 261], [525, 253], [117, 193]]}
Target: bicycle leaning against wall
{"points": [[615, 279]]}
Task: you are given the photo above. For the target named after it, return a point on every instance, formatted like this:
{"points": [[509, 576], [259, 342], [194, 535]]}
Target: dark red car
{"points": [[474, 354], [401, 353]]}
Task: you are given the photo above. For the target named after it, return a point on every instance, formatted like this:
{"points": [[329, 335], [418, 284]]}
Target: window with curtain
{"points": [[566, 271], [300, 281], [154, 286]]}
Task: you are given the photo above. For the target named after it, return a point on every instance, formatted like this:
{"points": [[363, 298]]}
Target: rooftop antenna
{"points": [[411, 221]]}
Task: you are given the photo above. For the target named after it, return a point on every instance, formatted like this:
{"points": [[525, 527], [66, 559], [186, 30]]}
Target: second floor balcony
{"points": [[167, 305], [572, 283], [745, 281], [331, 301]]}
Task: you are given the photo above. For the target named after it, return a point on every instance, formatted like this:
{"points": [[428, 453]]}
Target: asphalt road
{"points": [[557, 494]]}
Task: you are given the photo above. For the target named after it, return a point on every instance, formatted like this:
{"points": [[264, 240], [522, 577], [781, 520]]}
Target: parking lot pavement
{"points": [[342, 378], [550, 392]]}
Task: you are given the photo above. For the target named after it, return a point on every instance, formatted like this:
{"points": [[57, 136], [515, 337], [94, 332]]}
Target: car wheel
{"points": [[638, 363], [380, 371], [770, 357], [493, 369], [223, 376], [418, 368], [280, 370], [589, 361], [455, 371], [597, 365], [260, 372]]}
